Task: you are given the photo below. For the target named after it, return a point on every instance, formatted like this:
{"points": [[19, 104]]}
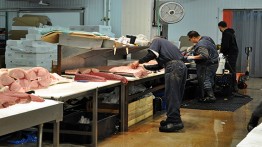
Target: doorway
{"points": [[248, 30]]}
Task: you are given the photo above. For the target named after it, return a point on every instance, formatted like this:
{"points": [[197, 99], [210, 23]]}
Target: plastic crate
{"points": [[108, 124]]}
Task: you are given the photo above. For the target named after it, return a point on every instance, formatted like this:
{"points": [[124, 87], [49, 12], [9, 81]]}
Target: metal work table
{"points": [[23, 116], [66, 91]]}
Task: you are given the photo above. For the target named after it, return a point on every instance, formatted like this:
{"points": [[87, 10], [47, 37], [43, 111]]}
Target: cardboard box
{"points": [[42, 18], [17, 34], [52, 37], [30, 56], [31, 20], [14, 42], [27, 21], [106, 30], [29, 49], [35, 43], [33, 36]]}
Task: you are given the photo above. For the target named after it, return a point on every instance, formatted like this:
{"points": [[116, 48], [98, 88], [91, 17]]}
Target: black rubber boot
{"points": [[209, 96], [253, 122]]}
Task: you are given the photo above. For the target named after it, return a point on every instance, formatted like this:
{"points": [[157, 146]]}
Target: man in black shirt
{"points": [[206, 59], [229, 49], [169, 57]]}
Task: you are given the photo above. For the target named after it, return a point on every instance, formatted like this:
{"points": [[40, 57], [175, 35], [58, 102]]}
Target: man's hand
{"points": [[190, 57], [134, 65]]}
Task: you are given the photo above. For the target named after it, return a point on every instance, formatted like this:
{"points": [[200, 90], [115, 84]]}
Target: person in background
{"points": [[253, 122], [169, 57], [230, 50], [206, 59]]}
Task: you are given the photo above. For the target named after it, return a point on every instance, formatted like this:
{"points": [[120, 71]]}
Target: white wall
{"points": [[116, 17], [137, 17], [203, 16], [93, 10], [58, 20]]}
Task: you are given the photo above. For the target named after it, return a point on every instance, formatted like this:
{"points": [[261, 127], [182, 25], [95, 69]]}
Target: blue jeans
{"points": [[175, 80], [205, 76]]}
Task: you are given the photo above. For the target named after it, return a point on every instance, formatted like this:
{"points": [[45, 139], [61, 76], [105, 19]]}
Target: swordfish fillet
{"points": [[90, 78], [110, 76], [17, 73], [138, 72], [6, 101]]}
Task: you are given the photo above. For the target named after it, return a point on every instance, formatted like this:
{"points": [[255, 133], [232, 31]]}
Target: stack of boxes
{"points": [[21, 25], [105, 30], [140, 110], [30, 51]]}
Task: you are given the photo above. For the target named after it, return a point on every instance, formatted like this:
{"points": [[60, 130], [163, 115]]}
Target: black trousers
{"points": [[175, 81], [231, 66], [231, 60], [206, 75]]}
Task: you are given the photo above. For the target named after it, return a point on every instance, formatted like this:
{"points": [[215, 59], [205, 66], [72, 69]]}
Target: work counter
{"points": [[253, 138], [66, 91], [23, 116]]}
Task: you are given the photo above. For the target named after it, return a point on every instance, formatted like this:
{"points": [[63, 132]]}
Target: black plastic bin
{"points": [[223, 85], [108, 124]]}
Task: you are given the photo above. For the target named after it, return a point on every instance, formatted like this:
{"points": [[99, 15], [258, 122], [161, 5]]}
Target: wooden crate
{"points": [[140, 110]]}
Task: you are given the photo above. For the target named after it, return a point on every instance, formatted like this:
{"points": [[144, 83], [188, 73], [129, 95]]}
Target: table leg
{"points": [[122, 108], [40, 135], [125, 111], [94, 124], [56, 134]]}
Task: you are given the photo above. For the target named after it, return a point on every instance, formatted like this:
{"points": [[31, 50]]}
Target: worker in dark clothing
{"points": [[230, 50], [169, 57], [206, 59], [253, 122]]}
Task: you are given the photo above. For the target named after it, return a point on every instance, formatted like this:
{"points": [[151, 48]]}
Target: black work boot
{"points": [[209, 97], [253, 122], [165, 122], [171, 127]]}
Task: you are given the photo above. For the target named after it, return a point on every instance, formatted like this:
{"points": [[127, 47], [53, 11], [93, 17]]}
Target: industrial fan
{"points": [[169, 12]]}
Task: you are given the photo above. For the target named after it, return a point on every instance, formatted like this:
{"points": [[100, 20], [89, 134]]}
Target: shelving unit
{"points": [[67, 91]]}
